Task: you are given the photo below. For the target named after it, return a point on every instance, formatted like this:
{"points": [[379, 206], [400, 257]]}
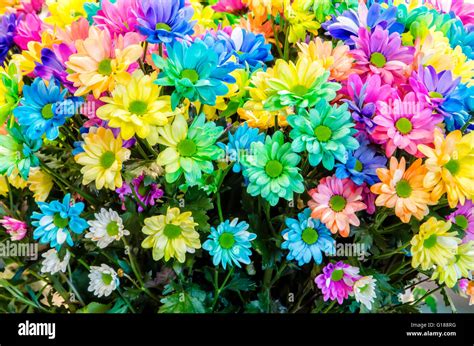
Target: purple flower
{"points": [[463, 217], [147, 193], [52, 66], [7, 33], [337, 281]]}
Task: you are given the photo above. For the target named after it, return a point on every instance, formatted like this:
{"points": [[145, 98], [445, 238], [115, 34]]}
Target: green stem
{"points": [[277, 41], [10, 197], [426, 295], [126, 300], [218, 291], [329, 307], [286, 49], [391, 253], [219, 208]]}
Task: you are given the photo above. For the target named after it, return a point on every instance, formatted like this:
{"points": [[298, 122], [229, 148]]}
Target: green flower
{"points": [[271, 170], [326, 133], [189, 151], [8, 91]]}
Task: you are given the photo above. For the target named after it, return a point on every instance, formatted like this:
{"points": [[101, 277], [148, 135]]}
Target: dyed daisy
{"points": [[64, 12], [102, 159], [188, 152], [334, 202], [15, 228], [106, 228], [461, 265], [337, 281], [249, 49], [307, 239], [325, 132], [40, 184], [404, 124], [449, 166], [147, 192], [103, 280], [403, 189], [230, 243], [463, 217], [52, 264], [7, 29], [272, 170], [364, 291], [433, 245], [57, 220], [117, 16], [171, 235], [235, 7]]}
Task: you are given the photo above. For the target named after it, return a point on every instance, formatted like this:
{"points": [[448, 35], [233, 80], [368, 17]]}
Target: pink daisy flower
{"points": [[118, 18], [15, 228], [337, 281], [230, 6], [379, 53], [404, 124], [29, 28], [335, 202]]}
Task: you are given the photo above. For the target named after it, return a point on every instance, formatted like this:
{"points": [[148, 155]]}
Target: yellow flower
{"points": [[450, 166], [265, 7], [300, 22], [458, 267], [136, 106], [433, 245], [16, 180], [40, 184], [102, 159], [3, 186], [203, 15], [171, 235], [64, 12]]}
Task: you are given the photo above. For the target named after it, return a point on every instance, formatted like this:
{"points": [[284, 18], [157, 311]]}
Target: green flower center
{"points": [[378, 59], [403, 189], [162, 26], [337, 203], [323, 133], [105, 67], [172, 231], [452, 166], [107, 159], [309, 236], [226, 240], [435, 95], [358, 166], [106, 278], [364, 288], [60, 222], [112, 228], [431, 241], [138, 107], [47, 111], [461, 221], [192, 75], [299, 90], [273, 168], [186, 147], [337, 275], [404, 125]]}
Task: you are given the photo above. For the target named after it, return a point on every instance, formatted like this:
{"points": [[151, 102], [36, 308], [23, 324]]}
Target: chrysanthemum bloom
{"points": [[449, 166], [337, 281], [299, 85], [117, 16], [272, 170], [250, 49], [336, 60], [379, 53], [325, 132], [52, 264], [404, 124], [335, 202], [235, 7], [230, 243], [40, 184], [106, 228], [102, 159], [189, 151], [100, 62], [28, 29], [259, 25], [7, 32], [433, 245], [64, 12], [461, 265], [57, 220], [103, 280], [265, 7], [306, 239], [171, 235], [145, 191], [136, 106], [15, 228], [364, 291], [463, 217], [300, 21], [52, 65]]}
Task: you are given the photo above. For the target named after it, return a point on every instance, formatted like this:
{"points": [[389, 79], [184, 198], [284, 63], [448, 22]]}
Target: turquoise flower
{"points": [[271, 170], [325, 132], [229, 244], [307, 238]]}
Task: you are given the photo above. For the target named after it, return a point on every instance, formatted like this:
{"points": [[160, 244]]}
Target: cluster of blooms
{"points": [[140, 136]]}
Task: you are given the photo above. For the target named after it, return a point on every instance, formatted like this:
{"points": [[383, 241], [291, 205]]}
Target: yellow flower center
{"points": [[138, 107], [309, 236], [403, 188], [226, 240], [452, 166], [378, 59], [47, 111], [299, 90], [273, 168], [431, 241], [323, 133], [112, 228], [337, 275], [172, 231], [404, 126], [186, 147], [337, 203], [105, 67], [107, 159]]}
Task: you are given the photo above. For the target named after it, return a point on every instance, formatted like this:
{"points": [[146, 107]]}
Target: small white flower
{"points": [[103, 280], [52, 263], [364, 291], [106, 228]]}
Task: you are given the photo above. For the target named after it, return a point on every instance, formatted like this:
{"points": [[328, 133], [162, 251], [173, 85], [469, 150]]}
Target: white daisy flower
{"points": [[103, 280], [107, 227], [364, 290], [52, 263]]}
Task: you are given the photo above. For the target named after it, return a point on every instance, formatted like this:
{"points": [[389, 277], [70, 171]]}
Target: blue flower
{"points": [[44, 109], [7, 32], [56, 222], [307, 238], [239, 144], [162, 21], [361, 166], [463, 36], [250, 49], [229, 244]]}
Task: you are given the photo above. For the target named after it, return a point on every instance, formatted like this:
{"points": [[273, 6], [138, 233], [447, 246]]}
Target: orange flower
{"points": [[403, 189], [259, 25]]}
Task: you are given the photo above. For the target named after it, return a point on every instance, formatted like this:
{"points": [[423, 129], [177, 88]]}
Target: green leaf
{"points": [[240, 283], [189, 301], [94, 308]]}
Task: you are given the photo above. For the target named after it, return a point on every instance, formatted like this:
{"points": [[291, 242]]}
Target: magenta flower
{"points": [[15, 228], [230, 6], [463, 217], [119, 17], [28, 29], [379, 53], [337, 281], [147, 193], [404, 124]]}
